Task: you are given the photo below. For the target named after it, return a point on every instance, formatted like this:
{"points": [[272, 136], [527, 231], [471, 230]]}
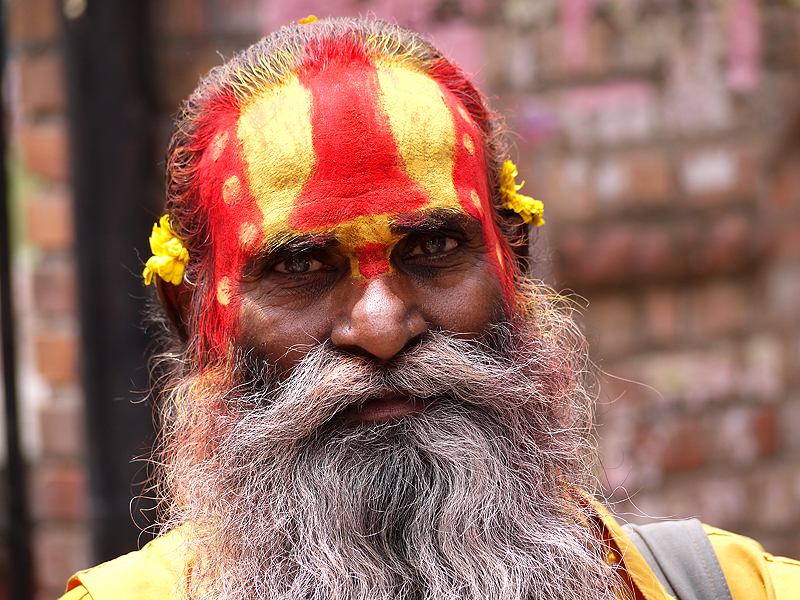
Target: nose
{"points": [[381, 321]]}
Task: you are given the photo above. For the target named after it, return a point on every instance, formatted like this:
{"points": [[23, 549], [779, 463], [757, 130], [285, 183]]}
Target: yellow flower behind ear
{"points": [[531, 211], [169, 255]]}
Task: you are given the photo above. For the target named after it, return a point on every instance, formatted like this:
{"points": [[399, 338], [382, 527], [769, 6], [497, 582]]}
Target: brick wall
{"points": [[46, 296], [664, 138], [658, 133]]}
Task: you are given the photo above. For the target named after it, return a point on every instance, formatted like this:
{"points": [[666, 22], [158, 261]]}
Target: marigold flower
{"points": [[170, 257], [530, 210]]}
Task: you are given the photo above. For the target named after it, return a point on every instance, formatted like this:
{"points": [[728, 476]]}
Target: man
{"points": [[364, 397]]}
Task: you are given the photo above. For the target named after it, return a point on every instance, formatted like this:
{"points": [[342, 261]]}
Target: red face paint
{"points": [[343, 148]]}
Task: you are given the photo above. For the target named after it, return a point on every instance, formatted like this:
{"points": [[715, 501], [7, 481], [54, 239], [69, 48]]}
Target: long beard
{"points": [[472, 498]]}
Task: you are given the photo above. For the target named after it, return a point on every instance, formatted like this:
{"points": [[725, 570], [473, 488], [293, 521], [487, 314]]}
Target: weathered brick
{"points": [[44, 149], [661, 315], [59, 493], [786, 185], [614, 318], [789, 432], [57, 356], [42, 83], [34, 21], [693, 378], [647, 43], [635, 178], [721, 308], [61, 430], [55, 283], [464, 44], [58, 553], [783, 290], [567, 192], [720, 174], [687, 447], [609, 113], [762, 375], [50, 221]]}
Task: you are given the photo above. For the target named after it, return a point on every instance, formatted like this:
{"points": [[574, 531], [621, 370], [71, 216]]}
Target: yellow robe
{"points": [[158, 571]]}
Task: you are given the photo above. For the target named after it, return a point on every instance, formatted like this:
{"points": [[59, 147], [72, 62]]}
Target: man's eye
{"points": [[434, 246], [299, 264]]}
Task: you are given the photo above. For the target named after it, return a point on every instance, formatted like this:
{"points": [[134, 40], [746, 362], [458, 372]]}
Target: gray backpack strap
{"points": [[682, 559]]}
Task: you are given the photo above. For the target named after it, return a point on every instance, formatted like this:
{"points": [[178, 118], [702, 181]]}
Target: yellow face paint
{"points": [[345, 150]]}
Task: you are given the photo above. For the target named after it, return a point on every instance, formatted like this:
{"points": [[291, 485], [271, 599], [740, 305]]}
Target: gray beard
{"points": [[476, 497]]}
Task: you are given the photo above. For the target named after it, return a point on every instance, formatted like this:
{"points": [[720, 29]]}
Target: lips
{"points": [[390, 406]]}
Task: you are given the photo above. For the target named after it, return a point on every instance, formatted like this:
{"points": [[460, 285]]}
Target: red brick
{"points": [[766, 431], [42, 83], [786, 241], [731, 242], [57, 356], [59, 553], [650, 177], [59, 493], [50, 221], [61, 430], [55, 287], [718, 175], [661, 315], [722, 308], [44, 149], [567, 193], [785, 193], [611, 256], [614, 318], [653, 255], [34, 21], [686, 449]]}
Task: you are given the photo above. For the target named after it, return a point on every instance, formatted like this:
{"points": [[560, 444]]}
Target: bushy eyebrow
{"points": [[438, 219], [286, 244]]}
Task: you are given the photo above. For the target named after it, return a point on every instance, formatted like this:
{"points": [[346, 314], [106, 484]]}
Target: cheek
{"points": [[470, 307], [281, 332]]}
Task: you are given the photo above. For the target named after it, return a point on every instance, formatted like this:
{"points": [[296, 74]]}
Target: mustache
{"points": [[328, 380]]}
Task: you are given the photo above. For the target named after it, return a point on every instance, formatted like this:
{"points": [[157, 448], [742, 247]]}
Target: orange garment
{"points": [[156, 571]]}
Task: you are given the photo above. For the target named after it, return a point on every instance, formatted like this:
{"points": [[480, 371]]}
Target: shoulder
{"points": [[154, 572], [751, 572]]}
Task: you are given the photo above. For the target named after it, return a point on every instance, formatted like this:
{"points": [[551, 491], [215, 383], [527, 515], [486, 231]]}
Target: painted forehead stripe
{"points": [[358, 169]]}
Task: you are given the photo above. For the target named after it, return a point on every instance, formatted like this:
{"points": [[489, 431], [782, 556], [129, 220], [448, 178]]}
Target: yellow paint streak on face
{"points": [[361, 231], [473, 195], [224, 291], [218, 145], [423, 130], [231, 190], [468, 143], [247, 238], [275, 132]]}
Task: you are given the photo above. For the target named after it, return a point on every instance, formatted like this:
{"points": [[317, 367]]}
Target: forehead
{"points": [[352, 143]]}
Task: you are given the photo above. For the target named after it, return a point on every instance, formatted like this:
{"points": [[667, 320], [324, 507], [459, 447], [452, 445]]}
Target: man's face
{"points": [[352, 204]]}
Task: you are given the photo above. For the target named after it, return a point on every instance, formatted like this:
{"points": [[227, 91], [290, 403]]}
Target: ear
{"points": [[176, 300], [519, 242]]}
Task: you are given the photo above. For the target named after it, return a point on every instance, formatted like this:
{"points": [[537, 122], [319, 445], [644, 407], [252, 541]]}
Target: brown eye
{"points": [[434, 246], [298, 264]]}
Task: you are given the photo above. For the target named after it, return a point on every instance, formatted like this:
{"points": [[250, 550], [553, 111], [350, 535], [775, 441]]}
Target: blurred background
{"points": [[662, 135]]}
